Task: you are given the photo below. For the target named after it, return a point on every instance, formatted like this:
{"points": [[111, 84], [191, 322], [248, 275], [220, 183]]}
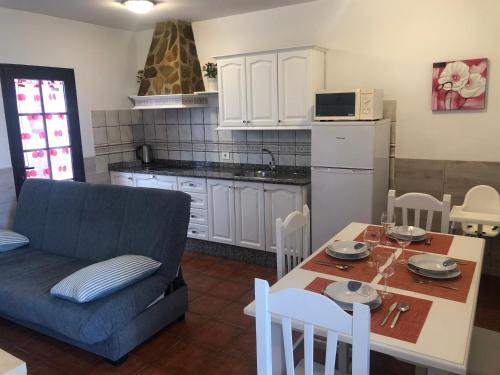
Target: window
{"points": [[42, 123]]}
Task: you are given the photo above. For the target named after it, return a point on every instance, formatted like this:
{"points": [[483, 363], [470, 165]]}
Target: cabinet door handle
{"points": [[194, 232], [191, 185], [193, 217], [130, 178]]}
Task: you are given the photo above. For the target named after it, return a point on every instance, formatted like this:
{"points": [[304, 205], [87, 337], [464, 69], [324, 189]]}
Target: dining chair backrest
{"points": [[292, 240], [482, 198], [310, 309], [420, 202]]}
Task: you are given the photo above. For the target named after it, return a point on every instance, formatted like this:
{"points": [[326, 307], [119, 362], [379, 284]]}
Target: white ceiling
{"points": [[111, 13]]}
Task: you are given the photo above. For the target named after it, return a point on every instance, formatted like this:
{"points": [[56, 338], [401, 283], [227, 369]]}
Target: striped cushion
{"points": [[103, 278], [10, 240]]}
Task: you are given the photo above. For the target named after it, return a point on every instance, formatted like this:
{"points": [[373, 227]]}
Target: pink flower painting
{"points": [[459, 85]]}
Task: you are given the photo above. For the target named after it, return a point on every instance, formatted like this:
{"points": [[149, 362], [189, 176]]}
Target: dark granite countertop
{"points": [[238, 172]]}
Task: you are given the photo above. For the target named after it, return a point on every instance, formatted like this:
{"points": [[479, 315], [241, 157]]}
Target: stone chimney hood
{"points": [[172, 73]]}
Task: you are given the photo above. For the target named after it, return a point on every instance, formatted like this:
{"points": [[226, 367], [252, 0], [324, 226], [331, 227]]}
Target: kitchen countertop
{"points": [[237, 172]]}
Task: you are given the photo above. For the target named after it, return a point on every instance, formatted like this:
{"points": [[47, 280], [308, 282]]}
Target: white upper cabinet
{"points": [[232, 91], [249, 212], [295, 93], [221, 223], [271, 89], [262, 89]]}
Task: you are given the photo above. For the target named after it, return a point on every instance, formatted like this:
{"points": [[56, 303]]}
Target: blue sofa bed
{"points": [[72, 225]]}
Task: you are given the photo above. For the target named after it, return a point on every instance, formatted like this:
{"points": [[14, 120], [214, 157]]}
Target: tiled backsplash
{"points": [[190, 134]]}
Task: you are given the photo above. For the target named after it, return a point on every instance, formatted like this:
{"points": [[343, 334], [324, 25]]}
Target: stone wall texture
{"points": [[172, 65]]}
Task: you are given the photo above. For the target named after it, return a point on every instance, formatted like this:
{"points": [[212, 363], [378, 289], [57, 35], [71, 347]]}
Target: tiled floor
{"points": [[215, 338]]}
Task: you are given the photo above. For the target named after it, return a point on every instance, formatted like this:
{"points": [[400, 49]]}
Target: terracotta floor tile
{"points": [[156, 347], [217, 335], [244, 346], [228, 365], [202, 283], [207, 305], [189, 326], [247, 297], [229, 290], [233, 314], [185, 358]]}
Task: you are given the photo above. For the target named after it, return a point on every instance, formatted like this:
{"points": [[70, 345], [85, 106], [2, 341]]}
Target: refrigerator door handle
{"points": [[341, 170]]}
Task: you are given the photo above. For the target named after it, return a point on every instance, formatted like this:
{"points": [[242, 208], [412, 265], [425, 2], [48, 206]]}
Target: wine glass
{"points": [[386, 268], [371, 237], [404, 235], [388, 223]]}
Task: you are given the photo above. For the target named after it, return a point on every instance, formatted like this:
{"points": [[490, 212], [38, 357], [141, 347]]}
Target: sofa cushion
{"points": [[99, 222], [26, 277], [10, 240], [103, 278]]}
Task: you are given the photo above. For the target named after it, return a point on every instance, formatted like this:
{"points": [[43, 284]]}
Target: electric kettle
{"points": [[144, 153]]}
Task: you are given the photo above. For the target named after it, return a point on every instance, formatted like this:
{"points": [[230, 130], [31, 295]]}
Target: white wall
{"points": [[104, 61], [389, 44]]}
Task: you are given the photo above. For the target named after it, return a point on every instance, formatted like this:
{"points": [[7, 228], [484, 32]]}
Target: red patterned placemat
{"points": [[440, 243], [409, 324], [405, 279], [359, 271]]}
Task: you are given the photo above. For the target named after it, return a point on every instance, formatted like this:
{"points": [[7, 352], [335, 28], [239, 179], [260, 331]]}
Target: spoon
{"points": [[342, 267], [402, 307]]}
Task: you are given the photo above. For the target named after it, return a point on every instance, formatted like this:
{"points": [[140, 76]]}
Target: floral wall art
{"points": [[459, 85]]}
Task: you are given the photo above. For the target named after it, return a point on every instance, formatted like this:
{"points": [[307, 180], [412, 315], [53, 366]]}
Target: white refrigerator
{"points": [[349, 175]]}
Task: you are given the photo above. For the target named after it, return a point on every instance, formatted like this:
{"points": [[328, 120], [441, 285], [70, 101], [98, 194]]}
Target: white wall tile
{"points": [[197, 116], [112, 118], [124, 117], [171, 116], [113, 134], [98, 118], [100, 136]]}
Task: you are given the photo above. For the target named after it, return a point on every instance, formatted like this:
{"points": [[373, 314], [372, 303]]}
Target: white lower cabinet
{"points": [[232, 212], [155, 181], [122, 178], [280, 201], [221, 223], [249, 215]]}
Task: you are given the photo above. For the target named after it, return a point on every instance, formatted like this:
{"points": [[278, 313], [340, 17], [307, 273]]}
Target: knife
{"points": [[391, 309]]}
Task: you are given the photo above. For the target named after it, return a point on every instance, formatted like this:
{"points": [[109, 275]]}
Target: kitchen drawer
{"points": [[155, 181], [198, 231], [198, 200], [194, 185], [198, 216]]}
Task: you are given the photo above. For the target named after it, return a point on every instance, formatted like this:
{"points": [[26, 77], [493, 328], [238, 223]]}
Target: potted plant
{"points": [[210, 70]]}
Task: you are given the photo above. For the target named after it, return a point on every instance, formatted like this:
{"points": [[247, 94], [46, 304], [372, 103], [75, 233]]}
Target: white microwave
{"points": [[357, 104]]}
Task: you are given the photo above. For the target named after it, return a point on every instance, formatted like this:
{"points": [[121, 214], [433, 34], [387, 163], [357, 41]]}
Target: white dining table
{"points": [[443, 344]]}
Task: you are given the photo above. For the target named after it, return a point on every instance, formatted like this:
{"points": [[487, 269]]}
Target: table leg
{"points": [[279, 366]]}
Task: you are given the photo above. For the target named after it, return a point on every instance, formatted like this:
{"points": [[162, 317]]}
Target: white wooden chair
{"points": [[481, 199], [310, 309], [292, 240], [421, 202]]}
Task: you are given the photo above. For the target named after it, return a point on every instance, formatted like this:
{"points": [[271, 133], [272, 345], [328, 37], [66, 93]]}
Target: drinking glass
{"points": [[404, 234], [371, 237], [386, 268], [388, 223]]}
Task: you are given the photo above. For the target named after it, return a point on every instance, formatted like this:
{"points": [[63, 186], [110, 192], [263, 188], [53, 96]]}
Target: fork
{"points": [[420, 281]]}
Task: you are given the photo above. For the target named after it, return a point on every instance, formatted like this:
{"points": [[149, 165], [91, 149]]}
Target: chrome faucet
{"points": [[272, 163]]}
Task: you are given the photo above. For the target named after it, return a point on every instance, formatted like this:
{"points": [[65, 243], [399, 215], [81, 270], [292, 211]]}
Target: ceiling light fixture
{"points": [[139, 6]]}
